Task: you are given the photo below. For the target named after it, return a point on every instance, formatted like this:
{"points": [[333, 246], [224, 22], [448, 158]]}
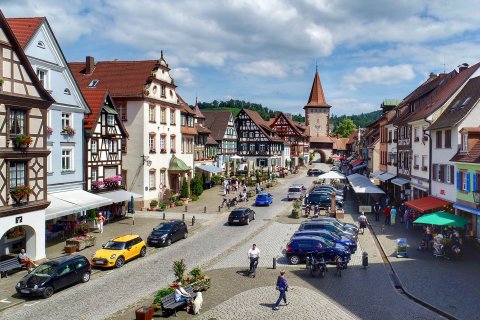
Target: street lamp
{"points": [[146, 159]]}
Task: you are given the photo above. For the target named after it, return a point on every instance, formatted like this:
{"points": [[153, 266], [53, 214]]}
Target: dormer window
{"points": [[93, 83], [41, 45], [67, 91], [464, 146]]}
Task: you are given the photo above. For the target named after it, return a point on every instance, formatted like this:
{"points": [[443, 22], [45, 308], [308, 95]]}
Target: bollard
{"points": [[364, 259], [219, 208], [193, 221], [274, 263], [183, 216], [186, 208], [164, 216], [205, 209]]}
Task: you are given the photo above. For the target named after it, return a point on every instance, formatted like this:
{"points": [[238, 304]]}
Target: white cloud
{"points": [[263, 68], [378, 75], [349, 106], [182, 76]]}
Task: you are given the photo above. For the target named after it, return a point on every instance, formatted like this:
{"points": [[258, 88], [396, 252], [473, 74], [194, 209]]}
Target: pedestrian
{"points": [[406, 218], [25, 260], [253, 256], [393, 215], [282, 286], [376, 210], [387, 215], [363, 221], [101, 220]]}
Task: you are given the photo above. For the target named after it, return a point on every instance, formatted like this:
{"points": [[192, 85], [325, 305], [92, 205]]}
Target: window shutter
{"points": [[452, 174], [467, 175], [458, 180], [474, 186], [442, 173], [434, 174]]}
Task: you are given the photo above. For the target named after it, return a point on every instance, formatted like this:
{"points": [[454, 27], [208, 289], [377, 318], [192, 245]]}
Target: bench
{"points": [[9, 265], [169, 303]]}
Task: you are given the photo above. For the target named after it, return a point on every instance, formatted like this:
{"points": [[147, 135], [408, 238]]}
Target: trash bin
{"points": [[144, 313], [365, 259]]}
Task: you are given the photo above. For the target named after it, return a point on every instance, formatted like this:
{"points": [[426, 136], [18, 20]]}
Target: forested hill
{"points": [[235, 106]]}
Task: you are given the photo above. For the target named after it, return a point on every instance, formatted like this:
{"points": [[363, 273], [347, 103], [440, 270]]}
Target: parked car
{"points": [[295, 192], [344, 241], [263, 199], [327, 187], [298, 247], [314, 172], [337, 222], [241, 216], [322, 199], [119, 250], [325, 225], [166, 233], [329, 193], [54, 275]]}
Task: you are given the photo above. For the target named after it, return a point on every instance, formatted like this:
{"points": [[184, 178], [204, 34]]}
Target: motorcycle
{"points": [[317, 265], [307, 211]]}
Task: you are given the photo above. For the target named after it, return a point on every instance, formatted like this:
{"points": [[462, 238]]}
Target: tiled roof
{"points": [[321, 139], [24, 28], [95, 100], [211, 141], [473, 154], [292, 124], [184, 106], [217, 122], [460, 107], [261, 124], [317, 97], [202, 129], [339, 143], [121, 78], [470, 129], [352, 136], [198, 113], [189, 131]]}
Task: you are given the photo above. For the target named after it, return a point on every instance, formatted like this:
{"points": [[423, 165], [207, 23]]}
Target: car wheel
{"points": [[185, 235], [253, 217], [248, 221], [169, 242], [143, 252], [120, 262], [48, 292], [294, 260], [85, 277]]}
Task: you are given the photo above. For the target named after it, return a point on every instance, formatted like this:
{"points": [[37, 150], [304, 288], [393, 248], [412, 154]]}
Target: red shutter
{"points": [[452, 174]]}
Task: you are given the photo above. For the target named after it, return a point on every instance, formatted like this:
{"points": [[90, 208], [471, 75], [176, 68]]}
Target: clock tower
{"points": [[317, 110]]}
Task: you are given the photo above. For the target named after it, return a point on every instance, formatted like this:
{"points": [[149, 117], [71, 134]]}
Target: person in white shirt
{"points": [[363, 222], [253, 255], [181, 294]]}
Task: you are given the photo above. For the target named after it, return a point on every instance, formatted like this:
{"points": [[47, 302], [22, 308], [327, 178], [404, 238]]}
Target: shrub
{"points": [[216, 180], [195, 273], [179, 268], [296, 213], [197, 185], [194, 198], [179, 203], [184, 193], [162, 293], [153, 203]]}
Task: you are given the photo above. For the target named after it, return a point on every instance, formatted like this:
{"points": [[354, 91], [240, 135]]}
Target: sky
{"points": [[266, 51]]}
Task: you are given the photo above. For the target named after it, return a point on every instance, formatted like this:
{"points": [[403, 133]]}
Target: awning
{"points": [[177, 165], [67, 202], [466, 208], [331, 175], [400, 182], [386, 176], [120, 195], [210, 168], [426, 204], [356, 163], [361, 166], [362, 184], [376, 174], [442, 218]]}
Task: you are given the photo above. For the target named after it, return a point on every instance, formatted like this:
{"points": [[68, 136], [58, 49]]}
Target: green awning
{"points": [[177, 165], [109, 110], [442, 218]]}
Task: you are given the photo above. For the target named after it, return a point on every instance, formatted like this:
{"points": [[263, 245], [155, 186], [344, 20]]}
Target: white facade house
{"points": [[419, 174]]}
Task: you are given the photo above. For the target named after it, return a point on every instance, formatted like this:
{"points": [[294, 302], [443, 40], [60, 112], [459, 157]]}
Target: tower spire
{"points": [[317, 97]]}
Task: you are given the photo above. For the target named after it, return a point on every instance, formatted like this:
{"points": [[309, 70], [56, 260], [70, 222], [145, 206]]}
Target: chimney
{"points": [[89, 64], [462, 67]]}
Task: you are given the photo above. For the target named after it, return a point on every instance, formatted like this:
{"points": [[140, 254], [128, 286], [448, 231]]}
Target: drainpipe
{"points": [[398, 138], [430, 148]]}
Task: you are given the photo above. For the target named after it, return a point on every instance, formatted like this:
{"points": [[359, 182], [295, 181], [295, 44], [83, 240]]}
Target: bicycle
{"points": [[340, 265], [316, 265]]}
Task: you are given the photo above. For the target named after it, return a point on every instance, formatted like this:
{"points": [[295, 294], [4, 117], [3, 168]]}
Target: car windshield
{"points": [[329, 243], [262, 196], [294, 189], [163, 227], [114, 245], [317, 197], [46, 269], [237, 213]]}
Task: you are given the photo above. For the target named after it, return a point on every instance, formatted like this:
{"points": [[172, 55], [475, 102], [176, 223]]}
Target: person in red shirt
{"points": [[387, 215], [101, 220]]}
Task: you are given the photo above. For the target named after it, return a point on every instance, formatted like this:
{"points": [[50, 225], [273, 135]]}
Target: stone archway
{"points": [[322, 156], [18, 237]]}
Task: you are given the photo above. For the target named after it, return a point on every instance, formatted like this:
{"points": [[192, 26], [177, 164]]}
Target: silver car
{"points": [[295, 192]]}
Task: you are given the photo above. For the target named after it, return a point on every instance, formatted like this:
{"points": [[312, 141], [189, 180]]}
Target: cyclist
{"points": [[253, 256]]}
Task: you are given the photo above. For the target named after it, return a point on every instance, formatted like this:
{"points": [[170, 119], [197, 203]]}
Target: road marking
{"points": [[5, 301], [30, 304]]}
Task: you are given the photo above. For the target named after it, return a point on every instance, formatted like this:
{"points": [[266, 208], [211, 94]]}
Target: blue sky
{"points": [[266, 51]]}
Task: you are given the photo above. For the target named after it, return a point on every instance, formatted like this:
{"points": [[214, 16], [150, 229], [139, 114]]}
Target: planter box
{"points": [[89, 241], [201, 285], [70, 249], [144, 313]]}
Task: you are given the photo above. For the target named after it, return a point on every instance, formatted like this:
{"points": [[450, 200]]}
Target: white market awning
{"points": [[68, 202], [331, 175], [400, 182], [386, 176], [362, 184], [376, 174], [120, 195], [210, 168]]}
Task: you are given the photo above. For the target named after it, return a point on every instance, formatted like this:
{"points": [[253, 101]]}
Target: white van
{"points": [[295, 192]]}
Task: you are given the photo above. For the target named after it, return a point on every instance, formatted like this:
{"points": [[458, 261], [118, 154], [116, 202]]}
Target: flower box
{"points": [[201, 285], [22, 141], [81, 242], [68, 130]]}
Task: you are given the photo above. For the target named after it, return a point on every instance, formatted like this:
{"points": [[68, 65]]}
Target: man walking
{"points": [[282, 286], [387, 215], [376, 210], [253, 255]]}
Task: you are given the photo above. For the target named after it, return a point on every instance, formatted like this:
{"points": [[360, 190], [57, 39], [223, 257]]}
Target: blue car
{"points": [[344, 241], [299, 247], [263, 199]]}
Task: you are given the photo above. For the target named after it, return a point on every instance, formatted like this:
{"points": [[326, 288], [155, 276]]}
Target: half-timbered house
{"points": [[257, 142], [24, 105], [222, 125]]}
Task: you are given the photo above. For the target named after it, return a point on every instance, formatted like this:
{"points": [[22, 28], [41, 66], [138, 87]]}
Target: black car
{"points": [[241, 216], [326, 225], [55, 274], [322, 199], [166, 233], [337, 222], [314, 172], [298, 247], [344, 241]]}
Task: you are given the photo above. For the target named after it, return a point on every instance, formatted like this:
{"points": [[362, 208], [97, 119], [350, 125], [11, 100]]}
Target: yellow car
{"points": [[119, 250]]}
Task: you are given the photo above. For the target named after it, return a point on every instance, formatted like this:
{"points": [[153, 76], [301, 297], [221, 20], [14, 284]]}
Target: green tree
{"points": [[184, 193], [345, 128], [197, 185]]}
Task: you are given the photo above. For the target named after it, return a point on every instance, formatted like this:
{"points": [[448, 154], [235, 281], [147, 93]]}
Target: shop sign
{"points": [[18, 219], [442, 191]]}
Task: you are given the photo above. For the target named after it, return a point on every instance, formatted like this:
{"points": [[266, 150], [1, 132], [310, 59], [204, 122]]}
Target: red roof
{"points": [[426, 204], [24, 28], [317, 97], [95, 99]]}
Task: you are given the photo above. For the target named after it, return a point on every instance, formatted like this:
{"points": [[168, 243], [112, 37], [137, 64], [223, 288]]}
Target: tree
{"points": [[197, 185], [345, 128], [184, 193]]}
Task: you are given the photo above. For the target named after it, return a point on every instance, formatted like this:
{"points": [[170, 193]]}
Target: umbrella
{"points": [[331, 175], [442, 218]]}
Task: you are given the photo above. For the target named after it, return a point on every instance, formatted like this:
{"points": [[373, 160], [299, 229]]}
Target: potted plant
{"points": [[49, 130], [172, 151], [68, 130], [296, 209], [163, 150], [179, 268], [19, 192], [97, 184], [153, 204], [22, 141]]}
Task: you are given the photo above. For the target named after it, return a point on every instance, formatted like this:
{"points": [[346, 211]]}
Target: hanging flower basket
{"points": [[49, 130], [19, 192], [22, 141], [68, 130]]}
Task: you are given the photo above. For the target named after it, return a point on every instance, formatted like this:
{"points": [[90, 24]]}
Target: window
{"points": [[438, 136], [66, 120], [262, 147], [42, 76], [172, 116], [190, 122], [162, 92], [151, 142], [183, 120], [124, 145], [151, 113], [162, 143], [252, 147], [151, 180], [448, 138], [94, 174], [184, 142], [112, 146], [464, 180], [122, 111], [172, 143], [93, 83], [94, 146], [41, 45], [464, 142], [424, 162], [448, 173], [416, 134], [49, 160], [163, 117], [251, 134], [67, 159], [18, 174], [244, 147], [110, 120], [67, 91], [162, 177], [245, 134], [415, 161], [17, 122]]}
